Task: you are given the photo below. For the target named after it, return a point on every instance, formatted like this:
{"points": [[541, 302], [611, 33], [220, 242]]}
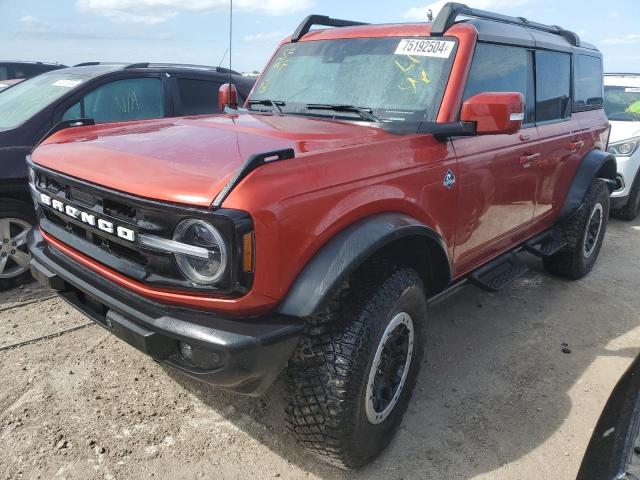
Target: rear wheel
{"points": [[16, 219], [632, 208], [584, 233], [353, 374]]}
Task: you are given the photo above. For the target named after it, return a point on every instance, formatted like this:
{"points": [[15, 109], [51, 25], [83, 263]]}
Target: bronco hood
{"points": [[187, 160]]}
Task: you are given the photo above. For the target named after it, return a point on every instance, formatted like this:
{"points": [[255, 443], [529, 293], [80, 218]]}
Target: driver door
{"points": [[497, 178]]}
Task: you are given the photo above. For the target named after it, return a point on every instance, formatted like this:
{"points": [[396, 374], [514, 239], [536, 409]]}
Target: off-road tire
{"points": [[328, 375], [572, 261], [22, 211], [632, 208]]}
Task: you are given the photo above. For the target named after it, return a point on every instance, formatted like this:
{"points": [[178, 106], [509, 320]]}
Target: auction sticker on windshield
{"points": [[425, 48]]}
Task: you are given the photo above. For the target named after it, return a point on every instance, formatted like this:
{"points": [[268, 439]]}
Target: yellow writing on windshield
{"points": [[264, 86], [415, 74], [282, 62]]}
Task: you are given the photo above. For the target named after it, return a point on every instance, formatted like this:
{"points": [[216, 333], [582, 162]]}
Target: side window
{"points": [[18, 71], [553, 85], [512, 73], [588, 83], [29, 70], [120, 101], [73, 113], [198, 97], [4, 73]]}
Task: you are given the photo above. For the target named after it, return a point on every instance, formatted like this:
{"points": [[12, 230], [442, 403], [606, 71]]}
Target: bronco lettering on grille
{"points": [[88, 218]]}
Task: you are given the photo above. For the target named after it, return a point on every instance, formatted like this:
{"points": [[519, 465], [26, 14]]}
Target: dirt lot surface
{"points": [[496, 397]]}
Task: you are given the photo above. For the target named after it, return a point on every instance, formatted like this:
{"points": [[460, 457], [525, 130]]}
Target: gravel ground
{"points": [[496, 397]]}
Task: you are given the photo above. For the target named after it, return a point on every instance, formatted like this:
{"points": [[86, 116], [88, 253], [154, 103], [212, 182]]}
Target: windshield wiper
{"points": [[365, 113], [275, 104]]}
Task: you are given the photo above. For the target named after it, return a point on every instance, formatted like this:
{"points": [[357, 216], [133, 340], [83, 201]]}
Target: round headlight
{"points": [[625, 148], [203, 268]]}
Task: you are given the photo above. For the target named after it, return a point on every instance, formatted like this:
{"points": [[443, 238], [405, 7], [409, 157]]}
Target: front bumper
{"points": [[240, 354], [627, 170]]}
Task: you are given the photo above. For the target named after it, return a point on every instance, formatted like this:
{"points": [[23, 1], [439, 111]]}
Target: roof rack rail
{"points": [[450, 11], [622, 73], [129, 66], [322, 20], [93, 64], [30, 62], [180, 65]]}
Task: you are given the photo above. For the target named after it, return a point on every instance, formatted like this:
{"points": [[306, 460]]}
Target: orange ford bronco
{"points": [[372, 169]]}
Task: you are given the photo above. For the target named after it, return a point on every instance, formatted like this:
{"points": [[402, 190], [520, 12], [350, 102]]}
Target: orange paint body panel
{"points": [[492, 112]]}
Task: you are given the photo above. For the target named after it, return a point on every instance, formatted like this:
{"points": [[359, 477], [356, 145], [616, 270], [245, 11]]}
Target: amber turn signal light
{"points": [[247, 252]]}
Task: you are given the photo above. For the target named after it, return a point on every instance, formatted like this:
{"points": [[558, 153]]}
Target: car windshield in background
{"points": [[392, 78], [622, 103], [19, 103]]}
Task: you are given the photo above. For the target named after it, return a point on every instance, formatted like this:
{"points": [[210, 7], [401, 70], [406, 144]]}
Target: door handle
{"points": [[574, 146], [527, 160]]}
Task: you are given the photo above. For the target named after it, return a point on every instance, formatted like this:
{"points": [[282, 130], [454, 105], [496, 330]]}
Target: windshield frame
{"points": [[51, 76], [429, 113]]}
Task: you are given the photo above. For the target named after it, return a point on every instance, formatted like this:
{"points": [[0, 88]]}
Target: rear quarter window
{"points": [[553, 85], [198, 97], [588, 83]]}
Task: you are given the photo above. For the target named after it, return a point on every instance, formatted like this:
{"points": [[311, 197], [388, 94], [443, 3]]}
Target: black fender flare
{"points": [[344, 253], [596, 163]]}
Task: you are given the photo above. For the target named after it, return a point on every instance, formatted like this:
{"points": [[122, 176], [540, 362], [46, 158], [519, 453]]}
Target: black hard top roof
{"points": [[498, 32], [491, 27]]}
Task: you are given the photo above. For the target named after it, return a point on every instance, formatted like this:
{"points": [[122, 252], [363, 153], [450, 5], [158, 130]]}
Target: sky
{"points": [[197, 31]]}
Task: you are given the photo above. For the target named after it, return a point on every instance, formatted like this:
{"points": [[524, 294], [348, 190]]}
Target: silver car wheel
{"points": [[389, 368], [592, 231], [14, 257]]}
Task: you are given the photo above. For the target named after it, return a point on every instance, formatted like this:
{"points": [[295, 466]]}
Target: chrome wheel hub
{"points": [[14, 258], [390, 368]]}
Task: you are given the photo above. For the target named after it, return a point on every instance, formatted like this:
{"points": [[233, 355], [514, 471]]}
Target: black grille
{"points": [[143, 217], [100, 239], [118, 210]]}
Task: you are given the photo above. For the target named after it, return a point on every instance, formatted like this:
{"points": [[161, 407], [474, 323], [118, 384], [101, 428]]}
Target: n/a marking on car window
{"points": [[425, 48], [632, 90]]}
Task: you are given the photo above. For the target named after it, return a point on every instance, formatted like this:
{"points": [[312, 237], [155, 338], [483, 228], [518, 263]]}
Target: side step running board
{"points": [[545, 245], [499, 273]]}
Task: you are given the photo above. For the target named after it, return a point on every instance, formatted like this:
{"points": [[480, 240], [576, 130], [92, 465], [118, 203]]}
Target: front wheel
{"points": [[584, 233], [352, 376], [16, 219]]}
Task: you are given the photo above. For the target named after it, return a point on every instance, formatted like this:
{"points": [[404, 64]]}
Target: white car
{"points": [[622, 104]]}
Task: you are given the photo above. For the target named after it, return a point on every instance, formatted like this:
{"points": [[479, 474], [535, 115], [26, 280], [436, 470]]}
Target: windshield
{"points": [[622, 103], [393, 78], [22, 101]]}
